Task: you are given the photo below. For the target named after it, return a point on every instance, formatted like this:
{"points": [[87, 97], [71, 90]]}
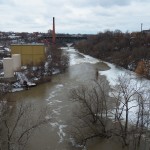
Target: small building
{"points": [[32, 54]]}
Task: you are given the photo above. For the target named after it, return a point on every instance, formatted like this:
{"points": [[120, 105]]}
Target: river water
{"points": [[55, 96]]}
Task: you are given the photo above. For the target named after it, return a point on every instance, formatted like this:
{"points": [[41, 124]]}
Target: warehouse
{"points": [[31, 54]]}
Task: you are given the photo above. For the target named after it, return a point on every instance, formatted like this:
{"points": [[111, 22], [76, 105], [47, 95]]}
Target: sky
{"points": [[74, 16]]}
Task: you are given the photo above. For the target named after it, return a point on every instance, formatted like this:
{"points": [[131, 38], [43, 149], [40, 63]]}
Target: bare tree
{"points": [[18, 124], [125, 117], [123, 96], [131, 115], [92, 113], [56, 59]]}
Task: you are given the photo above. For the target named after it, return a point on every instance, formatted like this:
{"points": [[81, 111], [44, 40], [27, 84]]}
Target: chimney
{"points": [[53, 36]]}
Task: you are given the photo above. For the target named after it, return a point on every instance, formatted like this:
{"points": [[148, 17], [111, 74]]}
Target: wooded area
{"points": [[128, 50]]}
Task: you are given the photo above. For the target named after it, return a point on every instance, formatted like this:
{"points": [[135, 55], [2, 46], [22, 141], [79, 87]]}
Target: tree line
{"points": [[124, 49]]}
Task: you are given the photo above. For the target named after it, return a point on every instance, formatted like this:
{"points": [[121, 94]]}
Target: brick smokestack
{"points": [[54, 35]]}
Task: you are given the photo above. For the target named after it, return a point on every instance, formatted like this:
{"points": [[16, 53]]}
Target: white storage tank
{"points": [[16, 62], [8, 68]]}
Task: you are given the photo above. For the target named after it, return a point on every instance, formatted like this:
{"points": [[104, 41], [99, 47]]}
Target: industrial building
{"points": [[30, 53]]}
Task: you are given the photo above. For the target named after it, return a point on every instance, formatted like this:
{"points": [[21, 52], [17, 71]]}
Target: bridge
{"points": [[64, 38]]}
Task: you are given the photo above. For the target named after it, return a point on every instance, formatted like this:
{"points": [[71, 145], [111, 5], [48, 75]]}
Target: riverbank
{"points": [[132, 81], [128, 50]]}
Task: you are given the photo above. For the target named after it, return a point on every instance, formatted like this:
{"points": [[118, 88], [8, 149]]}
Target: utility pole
{"points": [[141, 27]]}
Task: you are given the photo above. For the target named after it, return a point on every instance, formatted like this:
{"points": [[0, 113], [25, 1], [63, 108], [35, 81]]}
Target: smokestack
{"points": [[53, 36]]}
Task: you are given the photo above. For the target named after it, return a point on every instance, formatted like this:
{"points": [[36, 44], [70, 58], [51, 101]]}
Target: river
{"points": [[55, 96]]}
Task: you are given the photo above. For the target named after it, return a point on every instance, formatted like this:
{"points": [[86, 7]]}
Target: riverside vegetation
{"points": [[128, 50], [96, 119], [120, 113]]}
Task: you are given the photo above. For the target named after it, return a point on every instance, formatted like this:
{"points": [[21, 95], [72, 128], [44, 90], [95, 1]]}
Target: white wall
{"points": [[8, 67], [16, 62]]}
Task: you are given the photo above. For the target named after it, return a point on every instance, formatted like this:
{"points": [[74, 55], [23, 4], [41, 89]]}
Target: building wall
{"points": [[8, 67], [30, 54]]}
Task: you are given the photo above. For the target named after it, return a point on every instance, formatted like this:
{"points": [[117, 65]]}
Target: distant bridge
{"points": [[64, 38]]}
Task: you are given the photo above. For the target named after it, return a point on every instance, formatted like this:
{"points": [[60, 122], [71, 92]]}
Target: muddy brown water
{"points": [[55, 96]]}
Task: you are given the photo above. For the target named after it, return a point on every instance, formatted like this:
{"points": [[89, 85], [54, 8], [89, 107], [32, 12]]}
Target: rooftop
{"points": [[29, 44]]}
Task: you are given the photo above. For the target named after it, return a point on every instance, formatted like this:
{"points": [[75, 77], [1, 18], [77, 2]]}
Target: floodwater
{"points": [[55, 96]]}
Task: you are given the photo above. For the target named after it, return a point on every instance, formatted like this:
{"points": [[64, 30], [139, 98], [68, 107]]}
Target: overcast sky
{"points": [[74, 16]]}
